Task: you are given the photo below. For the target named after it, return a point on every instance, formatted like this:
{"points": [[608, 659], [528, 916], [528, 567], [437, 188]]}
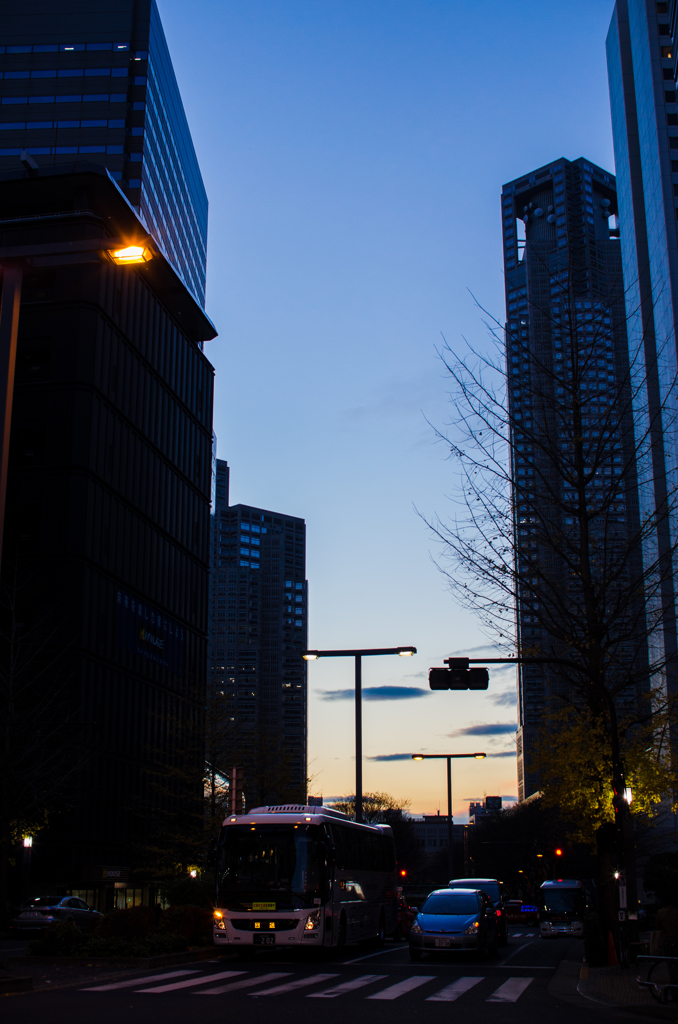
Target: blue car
{"points": [[455, 919]]}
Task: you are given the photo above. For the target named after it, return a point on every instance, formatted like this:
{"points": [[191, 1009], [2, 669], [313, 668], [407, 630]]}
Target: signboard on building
{"points": [[145, 631]]}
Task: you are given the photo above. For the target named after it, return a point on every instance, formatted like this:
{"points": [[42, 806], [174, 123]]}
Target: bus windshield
{"points": [[260, 859], [563, 901]]}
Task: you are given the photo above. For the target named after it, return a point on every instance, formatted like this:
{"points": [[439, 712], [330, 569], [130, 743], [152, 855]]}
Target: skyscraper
{"points": [[259, 627], [566, 353], [107, 524], [82, 78], [642, 70]]}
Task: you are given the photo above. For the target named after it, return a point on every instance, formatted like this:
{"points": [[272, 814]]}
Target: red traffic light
{"points": [[558, 853], [403, 873]]}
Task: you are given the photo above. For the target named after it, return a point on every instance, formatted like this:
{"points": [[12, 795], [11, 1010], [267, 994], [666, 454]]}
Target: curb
{"points": [[142, 962], [8, 985]]}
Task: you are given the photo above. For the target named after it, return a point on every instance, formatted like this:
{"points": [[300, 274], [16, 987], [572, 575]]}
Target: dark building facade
{"points": [[108, 513], [79, 77], [258, 630], [643, 74], [564, 301]]}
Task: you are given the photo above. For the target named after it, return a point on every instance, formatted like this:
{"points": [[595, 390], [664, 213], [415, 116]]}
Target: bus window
{"points": [[270, 858]]}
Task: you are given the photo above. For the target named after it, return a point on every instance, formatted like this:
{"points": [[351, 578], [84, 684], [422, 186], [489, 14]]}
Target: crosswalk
{"points": [[193, 981]]}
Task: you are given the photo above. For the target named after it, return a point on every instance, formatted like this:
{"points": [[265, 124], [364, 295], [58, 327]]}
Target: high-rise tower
{"points": [[258, 630], [85, 79], [643, 73], [567, 369]]}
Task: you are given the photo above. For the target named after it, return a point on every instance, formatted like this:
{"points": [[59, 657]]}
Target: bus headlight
{"points": [[219, 919], [313, 921]]}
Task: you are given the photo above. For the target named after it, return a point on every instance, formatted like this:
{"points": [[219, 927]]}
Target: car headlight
{"points": [[416, 927], [312, 921], [472, 928]]}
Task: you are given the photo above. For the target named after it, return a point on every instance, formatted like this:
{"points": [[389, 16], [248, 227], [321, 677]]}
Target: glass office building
{"points": [[643, 70], [564, 302], [81, 80], [259, 627]]}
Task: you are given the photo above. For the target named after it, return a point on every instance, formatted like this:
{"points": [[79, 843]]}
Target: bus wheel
{"points": [[341, 940], [381, 934]]}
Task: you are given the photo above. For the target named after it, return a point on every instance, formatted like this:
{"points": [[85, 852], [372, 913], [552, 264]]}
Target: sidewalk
{"points": [[611, 987]]}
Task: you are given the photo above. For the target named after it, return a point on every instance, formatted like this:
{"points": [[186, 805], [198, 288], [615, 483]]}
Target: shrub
{"points": [[194, 892], [194, 924], [132, 923], [58, 939]]}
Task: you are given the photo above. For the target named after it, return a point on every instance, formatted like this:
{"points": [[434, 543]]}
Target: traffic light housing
{"points": [[458, 676]]}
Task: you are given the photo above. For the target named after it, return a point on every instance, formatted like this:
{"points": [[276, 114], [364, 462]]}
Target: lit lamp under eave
{"points": [[132, 254]]}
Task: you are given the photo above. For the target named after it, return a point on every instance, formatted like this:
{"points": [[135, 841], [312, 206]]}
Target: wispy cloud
{"points": [[505, 699], [390, 757], [487, 729], [378, 693], [503, 753]]}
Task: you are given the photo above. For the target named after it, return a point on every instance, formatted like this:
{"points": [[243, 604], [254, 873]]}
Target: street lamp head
{"points": [[417, 757], [479, 757], [131, 254], [28, 842], [310, 655], [406, 652]]}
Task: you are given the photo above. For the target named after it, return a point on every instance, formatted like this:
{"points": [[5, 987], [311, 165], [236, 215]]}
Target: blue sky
{"points": [[353, 153]]}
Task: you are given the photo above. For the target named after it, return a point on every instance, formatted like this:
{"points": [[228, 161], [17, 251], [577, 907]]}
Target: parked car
{"points": [[455, 919], [494, 889], [36, 914]]}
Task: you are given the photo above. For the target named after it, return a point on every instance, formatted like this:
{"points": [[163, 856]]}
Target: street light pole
{"points": [[358, 738], [358, 655], [450, 853], [448, 757]]}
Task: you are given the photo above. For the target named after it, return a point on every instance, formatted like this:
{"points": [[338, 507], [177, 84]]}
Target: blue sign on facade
{"points": [[145, 631]]}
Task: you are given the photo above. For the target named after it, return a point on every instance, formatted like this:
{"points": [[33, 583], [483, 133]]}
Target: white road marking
{"points": [[346, 986], [395, 991], [291, 986], [510, 991], [381, 952], [453, 991], [245, 983], [136, 981], [159, 989]]}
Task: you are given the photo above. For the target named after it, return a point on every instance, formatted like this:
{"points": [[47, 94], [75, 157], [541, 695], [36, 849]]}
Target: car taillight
{"points": [[499, 913]]}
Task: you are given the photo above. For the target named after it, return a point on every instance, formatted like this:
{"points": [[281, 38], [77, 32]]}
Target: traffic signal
{"points": [[558, 852], [458, 676]]}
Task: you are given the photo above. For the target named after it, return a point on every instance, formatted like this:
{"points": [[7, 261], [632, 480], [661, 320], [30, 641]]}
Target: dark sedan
{"points": [[494, 889], [36, 914], [455, 919]]}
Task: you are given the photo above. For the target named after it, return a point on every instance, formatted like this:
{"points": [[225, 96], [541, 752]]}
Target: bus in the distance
{"points": [[302, 876]]}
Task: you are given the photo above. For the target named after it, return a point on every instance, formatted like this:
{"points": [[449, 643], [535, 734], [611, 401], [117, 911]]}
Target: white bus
{"points": [[303, 876]]}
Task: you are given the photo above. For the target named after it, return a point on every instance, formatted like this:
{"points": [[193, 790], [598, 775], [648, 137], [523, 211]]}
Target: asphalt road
{"points": [[370, 985]]}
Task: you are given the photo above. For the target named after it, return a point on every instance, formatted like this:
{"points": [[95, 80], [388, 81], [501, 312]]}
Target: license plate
{"points": [[263, 906], [442, 943], [263, 940]]}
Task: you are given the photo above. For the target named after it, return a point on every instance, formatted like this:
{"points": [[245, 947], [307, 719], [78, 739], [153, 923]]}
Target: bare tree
{"points": [[560, 541]]}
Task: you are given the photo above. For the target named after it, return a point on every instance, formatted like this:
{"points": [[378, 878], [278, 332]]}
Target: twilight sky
{"points": [[353, 153]]}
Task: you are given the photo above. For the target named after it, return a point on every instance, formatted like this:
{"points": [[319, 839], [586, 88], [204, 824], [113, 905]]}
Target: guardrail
{"points": [[659, 974]]}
